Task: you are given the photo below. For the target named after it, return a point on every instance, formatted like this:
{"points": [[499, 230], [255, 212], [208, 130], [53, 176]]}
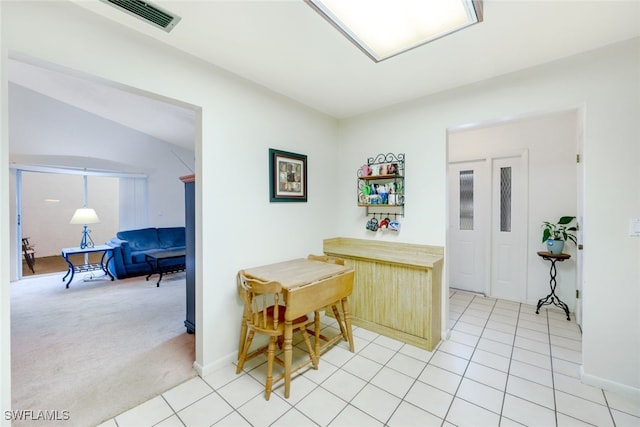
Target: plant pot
{"points": [[555, 246]]}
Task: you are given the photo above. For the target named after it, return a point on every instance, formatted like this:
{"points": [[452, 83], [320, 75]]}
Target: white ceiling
{"points": [[287, 47]]}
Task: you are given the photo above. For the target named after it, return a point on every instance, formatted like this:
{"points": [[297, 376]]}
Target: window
{"points": [[466, 200], [505, 199]]}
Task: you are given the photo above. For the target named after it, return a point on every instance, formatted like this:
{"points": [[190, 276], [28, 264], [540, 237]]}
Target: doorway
{"points": [[487, 217], [524, 173], [166, 159]]}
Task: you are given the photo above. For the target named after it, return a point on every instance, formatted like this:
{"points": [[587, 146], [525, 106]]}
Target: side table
{"points": [[552, 298], [107, 252]]}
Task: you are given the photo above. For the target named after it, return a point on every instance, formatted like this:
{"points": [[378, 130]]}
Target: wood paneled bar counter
{"points": [[397, 288]]}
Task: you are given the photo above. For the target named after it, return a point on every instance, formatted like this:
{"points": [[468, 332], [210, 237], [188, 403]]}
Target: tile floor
{"points": [[502, 366]]}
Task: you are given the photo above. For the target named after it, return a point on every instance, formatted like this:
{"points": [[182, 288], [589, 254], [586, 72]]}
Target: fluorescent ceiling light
{"points": [[385, 28]]}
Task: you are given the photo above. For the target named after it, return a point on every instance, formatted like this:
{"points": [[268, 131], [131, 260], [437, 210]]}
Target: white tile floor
{"points": [[503, 366]]}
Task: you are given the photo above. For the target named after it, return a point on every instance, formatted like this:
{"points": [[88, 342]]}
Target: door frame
{"points": [[580, 129]]}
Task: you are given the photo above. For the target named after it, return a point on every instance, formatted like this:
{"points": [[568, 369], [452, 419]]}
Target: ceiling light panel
{"points": [[385, 28]]}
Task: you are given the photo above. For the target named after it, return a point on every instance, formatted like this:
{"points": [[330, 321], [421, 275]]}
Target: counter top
{"points": [[418, 256]]}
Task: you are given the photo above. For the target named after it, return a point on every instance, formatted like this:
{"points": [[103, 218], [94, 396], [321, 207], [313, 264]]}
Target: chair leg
{"points": [[30, 263], [312, 354], [245, 349], [336, 314], [347, 324], [243, 337], [30, 258], [270, 356]]}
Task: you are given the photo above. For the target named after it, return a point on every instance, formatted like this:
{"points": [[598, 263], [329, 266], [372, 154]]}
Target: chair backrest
{"points": [[263, 311], [26, 246], [326, 258]]}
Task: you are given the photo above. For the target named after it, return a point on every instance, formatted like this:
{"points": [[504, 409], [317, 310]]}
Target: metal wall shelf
{"points": [[380, 185]]}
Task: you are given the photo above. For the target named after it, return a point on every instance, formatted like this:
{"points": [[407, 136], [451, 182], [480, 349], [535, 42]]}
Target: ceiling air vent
{"points": [[148, 12]]}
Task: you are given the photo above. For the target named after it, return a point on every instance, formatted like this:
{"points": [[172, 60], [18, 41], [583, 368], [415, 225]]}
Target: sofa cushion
{"points": [[139, 256], [171, 237], [140, 240]]}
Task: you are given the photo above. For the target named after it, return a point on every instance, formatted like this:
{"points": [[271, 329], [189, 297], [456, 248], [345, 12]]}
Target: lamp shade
{"points": [[85, 216]]}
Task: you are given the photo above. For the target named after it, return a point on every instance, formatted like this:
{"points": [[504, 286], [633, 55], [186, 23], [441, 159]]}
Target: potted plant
{"points": [[555, 234]]}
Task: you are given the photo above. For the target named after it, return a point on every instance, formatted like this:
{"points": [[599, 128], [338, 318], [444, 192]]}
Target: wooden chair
{"points": [[263, 314], [336, 313], [29, 254], [247, 316]]}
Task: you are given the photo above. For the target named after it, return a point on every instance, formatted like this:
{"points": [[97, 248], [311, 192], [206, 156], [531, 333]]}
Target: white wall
{"points": [[240, 121], [551, 142], [236, 224], [606, 84], [5, 294]]}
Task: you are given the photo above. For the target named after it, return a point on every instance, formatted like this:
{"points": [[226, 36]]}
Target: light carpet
{"points": [[97, 348]]}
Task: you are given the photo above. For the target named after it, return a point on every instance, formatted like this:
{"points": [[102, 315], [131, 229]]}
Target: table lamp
{"points": [[85, 216]]}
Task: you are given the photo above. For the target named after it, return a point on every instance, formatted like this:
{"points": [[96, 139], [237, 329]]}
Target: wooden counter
{"points": [[397, 288]]}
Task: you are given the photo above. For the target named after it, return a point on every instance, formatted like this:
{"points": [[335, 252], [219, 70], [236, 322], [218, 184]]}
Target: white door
{"points": [[468, 226], [508, 228]]}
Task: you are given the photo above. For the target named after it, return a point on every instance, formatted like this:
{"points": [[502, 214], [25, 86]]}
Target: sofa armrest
{"points": [[121, 257]]}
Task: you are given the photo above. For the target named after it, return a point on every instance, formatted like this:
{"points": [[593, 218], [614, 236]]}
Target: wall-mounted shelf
{"points": [[380, 185]]}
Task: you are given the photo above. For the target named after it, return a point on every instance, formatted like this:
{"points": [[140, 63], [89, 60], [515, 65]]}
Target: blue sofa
{"points": [[131, 246]]}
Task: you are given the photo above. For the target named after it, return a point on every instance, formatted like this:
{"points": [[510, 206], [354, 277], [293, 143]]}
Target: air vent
{"points": [[148, 12]]}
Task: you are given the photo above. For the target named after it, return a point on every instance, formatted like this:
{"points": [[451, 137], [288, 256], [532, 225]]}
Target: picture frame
{"points": [[288, 176]]}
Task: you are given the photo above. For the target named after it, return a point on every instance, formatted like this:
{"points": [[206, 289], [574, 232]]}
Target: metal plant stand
{"points": [[552, 298]]}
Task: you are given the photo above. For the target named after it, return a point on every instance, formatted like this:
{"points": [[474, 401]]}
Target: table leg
{"points": [[151, 272], [105, 265], [71, 271], [288, 356], [316, 333]]}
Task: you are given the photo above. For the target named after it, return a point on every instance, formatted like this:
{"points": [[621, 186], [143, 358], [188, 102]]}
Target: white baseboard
{"points": [[205, 370], [609, 385]]}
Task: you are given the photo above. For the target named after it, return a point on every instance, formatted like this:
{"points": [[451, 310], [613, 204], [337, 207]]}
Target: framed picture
{"points": [[288, 172]]}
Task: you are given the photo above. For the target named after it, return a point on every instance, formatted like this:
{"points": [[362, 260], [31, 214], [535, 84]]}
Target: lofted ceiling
{"points": [[287, 47]]}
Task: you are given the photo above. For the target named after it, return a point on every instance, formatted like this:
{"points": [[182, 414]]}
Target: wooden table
{"points": [[307, 286]]}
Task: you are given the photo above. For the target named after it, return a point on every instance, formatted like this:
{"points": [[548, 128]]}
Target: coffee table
{"points": [[160, 263]]}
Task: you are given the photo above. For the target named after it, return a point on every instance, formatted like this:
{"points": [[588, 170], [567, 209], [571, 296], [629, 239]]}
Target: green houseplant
{"points": [[555, 234]]}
